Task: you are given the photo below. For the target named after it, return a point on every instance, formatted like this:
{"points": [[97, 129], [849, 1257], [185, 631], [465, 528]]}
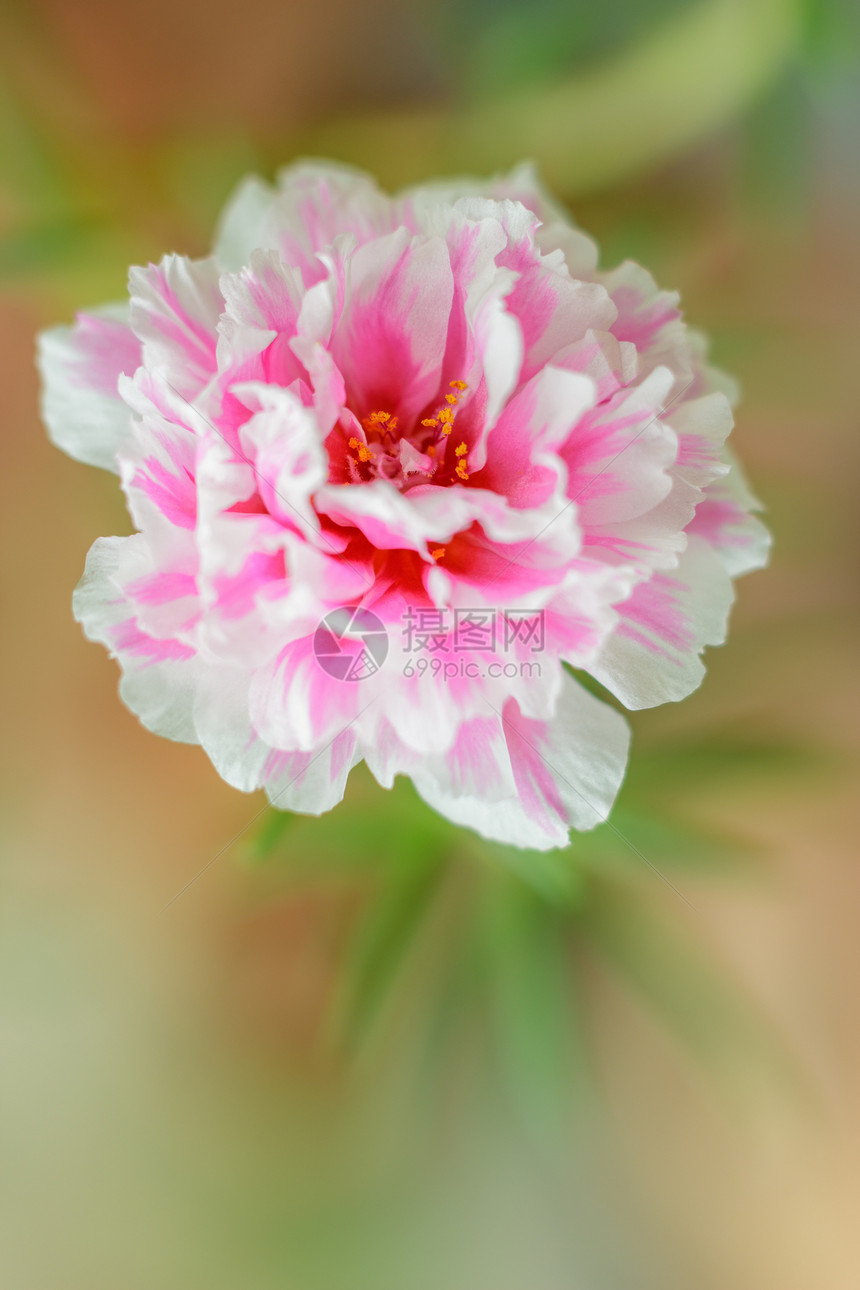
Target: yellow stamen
{"points": [[353, 443], [461, 472], [430, 421], [438, 553], [364, 453], [461, 450], [452, 398], [458, 385], [380, 421], [446, 415]]}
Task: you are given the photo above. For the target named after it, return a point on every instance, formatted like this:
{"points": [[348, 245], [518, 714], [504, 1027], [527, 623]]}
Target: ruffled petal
{"points": [[159, 675], [80, 368], [654, 655], [726, 520], [308, 782], [389, 340], [313, 204], [175, 308], [522, 781]]}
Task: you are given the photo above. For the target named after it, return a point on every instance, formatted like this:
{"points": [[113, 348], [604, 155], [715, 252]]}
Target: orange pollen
{"points": [[438, 553], [380, 421], [445, 414], [461, 472], [364, 453], [461, 450]]}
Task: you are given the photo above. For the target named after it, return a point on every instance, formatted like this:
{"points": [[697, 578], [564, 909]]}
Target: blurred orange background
{"points": [[175, 1110]]}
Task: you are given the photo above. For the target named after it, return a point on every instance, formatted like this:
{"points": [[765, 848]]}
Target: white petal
{"points": [[159, 690], [309, 782], [654, 654], [241, 224], [175, 308], [726, 520], [80, 368], [526, 782]]}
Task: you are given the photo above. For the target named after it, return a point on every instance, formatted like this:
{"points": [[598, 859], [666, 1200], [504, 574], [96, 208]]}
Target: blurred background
{"points": [[370, 1051]]}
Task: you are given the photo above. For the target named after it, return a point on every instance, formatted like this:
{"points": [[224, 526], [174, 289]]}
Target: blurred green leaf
{"points": [[665, 843], [831, 32], [533, 1004], [609, 122], [554, 875], [32, 174], [507, 43], [373, 831], [717, 755], [383, 939], [269, 836], [45, 244]]}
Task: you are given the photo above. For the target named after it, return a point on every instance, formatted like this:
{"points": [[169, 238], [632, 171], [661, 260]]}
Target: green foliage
{"points": [[385, 935], [516, 45], [538, 1041], [468, 945], [831, 33], [619, 117]]}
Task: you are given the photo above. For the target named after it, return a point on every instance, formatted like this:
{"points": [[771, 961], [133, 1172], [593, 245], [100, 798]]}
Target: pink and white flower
{"points": [[434, 407]]}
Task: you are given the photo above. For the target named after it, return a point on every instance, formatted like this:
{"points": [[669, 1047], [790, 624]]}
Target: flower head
{"points": [[397, 465]]}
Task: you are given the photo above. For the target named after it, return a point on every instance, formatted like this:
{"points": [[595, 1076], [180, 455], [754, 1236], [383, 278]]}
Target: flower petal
{"points": [[159, 676], [175, 307], [80, 368], [566, 772], [654, 654]]}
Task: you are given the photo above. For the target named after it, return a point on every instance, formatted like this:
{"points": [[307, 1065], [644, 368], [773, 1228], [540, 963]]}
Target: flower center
{"points": [[425, 455]]}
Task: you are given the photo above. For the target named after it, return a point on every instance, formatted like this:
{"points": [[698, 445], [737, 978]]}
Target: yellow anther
{"points": [[364, 453], [430, 421], [379, 421], [447, 429], [438, 553], [461, 450], [353, 443], [446, 415], [452, 398], [461, 472], [458, 385]]}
